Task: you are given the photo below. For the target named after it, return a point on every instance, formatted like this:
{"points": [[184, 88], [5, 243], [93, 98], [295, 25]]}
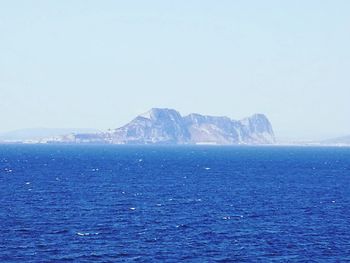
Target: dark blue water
{"points": [[171, 204]]}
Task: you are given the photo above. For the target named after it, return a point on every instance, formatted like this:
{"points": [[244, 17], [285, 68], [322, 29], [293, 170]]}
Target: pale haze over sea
{"points": [[97, 64]]}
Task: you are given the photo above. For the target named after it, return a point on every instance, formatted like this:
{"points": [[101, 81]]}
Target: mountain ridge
{"points": [[168, 126], [343, 140]]}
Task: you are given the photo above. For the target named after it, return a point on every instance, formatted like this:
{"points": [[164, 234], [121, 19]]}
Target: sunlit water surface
{"points": [[171, 204]]}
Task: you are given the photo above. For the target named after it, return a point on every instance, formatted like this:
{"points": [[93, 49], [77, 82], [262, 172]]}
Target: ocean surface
{"points": [[174, 204]]}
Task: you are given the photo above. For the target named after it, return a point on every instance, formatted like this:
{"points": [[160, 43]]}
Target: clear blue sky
{"points": [[97, 64]]}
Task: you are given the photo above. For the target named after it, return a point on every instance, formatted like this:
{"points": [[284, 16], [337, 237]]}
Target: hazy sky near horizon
{"points": [[97, 64]]}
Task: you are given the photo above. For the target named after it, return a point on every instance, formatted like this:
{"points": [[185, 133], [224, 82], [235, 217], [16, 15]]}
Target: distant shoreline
{"points": [[183, 145]]}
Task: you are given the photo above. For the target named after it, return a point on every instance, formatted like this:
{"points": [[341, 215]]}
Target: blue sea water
{"points": [[174, 204]]}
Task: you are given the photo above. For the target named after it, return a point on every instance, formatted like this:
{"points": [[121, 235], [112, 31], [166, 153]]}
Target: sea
{"points": [[104, 203]]}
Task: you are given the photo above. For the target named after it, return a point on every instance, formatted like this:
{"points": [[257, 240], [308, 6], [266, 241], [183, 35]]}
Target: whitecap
{"points": [[86, 234], [233, 216]]}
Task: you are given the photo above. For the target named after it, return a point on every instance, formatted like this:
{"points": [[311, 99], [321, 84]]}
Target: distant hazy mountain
{"points": [[39, 133], [167, 126], [340, 140]]}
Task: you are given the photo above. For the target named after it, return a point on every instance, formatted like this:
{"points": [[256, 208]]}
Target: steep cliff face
{"points": [[167, 126], [212, 130], [158, 126], [257, 129]]}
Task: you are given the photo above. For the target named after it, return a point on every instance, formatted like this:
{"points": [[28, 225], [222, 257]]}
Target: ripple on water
{"points": [[101, 204]]}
